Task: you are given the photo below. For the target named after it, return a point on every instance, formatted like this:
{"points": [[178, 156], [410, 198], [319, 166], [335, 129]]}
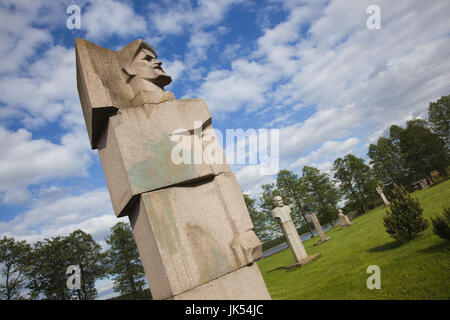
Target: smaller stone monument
{"points": [[343, 220], [385, 200], [283, 213], [323, 237]]}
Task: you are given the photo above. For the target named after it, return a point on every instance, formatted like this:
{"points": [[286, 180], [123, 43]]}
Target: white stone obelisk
{"points": [[319, 229], [385, 200], [283, 213]]}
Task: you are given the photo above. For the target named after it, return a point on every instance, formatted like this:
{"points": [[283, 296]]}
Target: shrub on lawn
{"points": [[403, 220], [441, 225]]}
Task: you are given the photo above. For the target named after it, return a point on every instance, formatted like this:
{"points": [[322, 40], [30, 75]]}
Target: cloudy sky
{"points": [[312, 69]]}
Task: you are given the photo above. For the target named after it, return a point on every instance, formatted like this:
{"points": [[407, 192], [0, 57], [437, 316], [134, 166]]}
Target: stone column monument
{"points": [[385, 200], [189, 219], [323, 237], [283, 213], [343, 220]]}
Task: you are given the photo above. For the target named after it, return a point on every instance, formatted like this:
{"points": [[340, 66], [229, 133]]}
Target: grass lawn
{"points": [[419, 269]]}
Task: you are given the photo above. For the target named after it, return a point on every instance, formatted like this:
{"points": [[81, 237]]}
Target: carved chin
{"points": [[162, 80]]}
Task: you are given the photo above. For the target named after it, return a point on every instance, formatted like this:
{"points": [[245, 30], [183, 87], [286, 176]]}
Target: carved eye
{"points": [[148, 58]]}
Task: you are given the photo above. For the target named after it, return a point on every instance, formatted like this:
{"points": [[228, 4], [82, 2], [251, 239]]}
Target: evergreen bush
{"points": [[403, 219], [441, 225]]}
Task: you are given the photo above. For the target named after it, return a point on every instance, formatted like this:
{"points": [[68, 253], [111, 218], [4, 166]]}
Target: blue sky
{"points": [[311, 69]]}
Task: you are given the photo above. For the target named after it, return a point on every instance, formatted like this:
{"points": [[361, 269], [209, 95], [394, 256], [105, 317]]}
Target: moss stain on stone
{"points": [[159, 170]]}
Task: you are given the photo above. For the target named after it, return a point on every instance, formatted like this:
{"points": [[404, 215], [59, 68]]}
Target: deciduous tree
{"points": [[50, 260], [439, 118], [323, 193], [261, 220], [14, 261], [422, 150], [387, 162], [356, 180], [87, 254], [47, 274]]}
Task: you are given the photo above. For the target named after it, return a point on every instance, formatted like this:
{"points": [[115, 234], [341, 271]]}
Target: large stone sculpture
{"points": [[189, 219], [383, 197], [283, 214], [323, 237]]}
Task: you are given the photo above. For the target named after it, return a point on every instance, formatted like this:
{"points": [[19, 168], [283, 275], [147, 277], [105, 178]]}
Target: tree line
{"points": [[407, 155], [38, 271]]}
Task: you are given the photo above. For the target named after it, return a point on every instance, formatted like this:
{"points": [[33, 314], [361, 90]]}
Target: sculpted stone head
{"points": [[110, 80], [340, 212], [278, 201], [141, 67]]}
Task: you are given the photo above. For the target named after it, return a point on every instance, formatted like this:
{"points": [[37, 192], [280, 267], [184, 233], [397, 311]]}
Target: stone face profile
{"points": [[190, 222], [108, 81], [343, 219], [140, 64], [283, 214]]}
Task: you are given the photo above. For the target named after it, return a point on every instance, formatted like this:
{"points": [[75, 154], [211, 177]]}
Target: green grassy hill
{"points": [[419, 269]]}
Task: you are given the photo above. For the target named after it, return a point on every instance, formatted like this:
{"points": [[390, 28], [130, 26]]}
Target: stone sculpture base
{"points": [[244, 284], [321, 241], [191, 235], [347, 225], [303, 262]]}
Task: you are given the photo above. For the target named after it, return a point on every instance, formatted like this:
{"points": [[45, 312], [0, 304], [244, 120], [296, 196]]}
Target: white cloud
{"points": [[322, 126], [197, 47], [200, 20], [15, 196], [104, 18], [45, 92], [174, 68], [360, 81], [173, 17], [49, 217], [250, 180], [329, 149], [18, 39], [342, 62], [356, 78], [105, 289], [30, 161], [228, 91]]}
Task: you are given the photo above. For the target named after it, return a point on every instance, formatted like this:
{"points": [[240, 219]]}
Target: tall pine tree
{"points": [[124, 261], [403, 219]]}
